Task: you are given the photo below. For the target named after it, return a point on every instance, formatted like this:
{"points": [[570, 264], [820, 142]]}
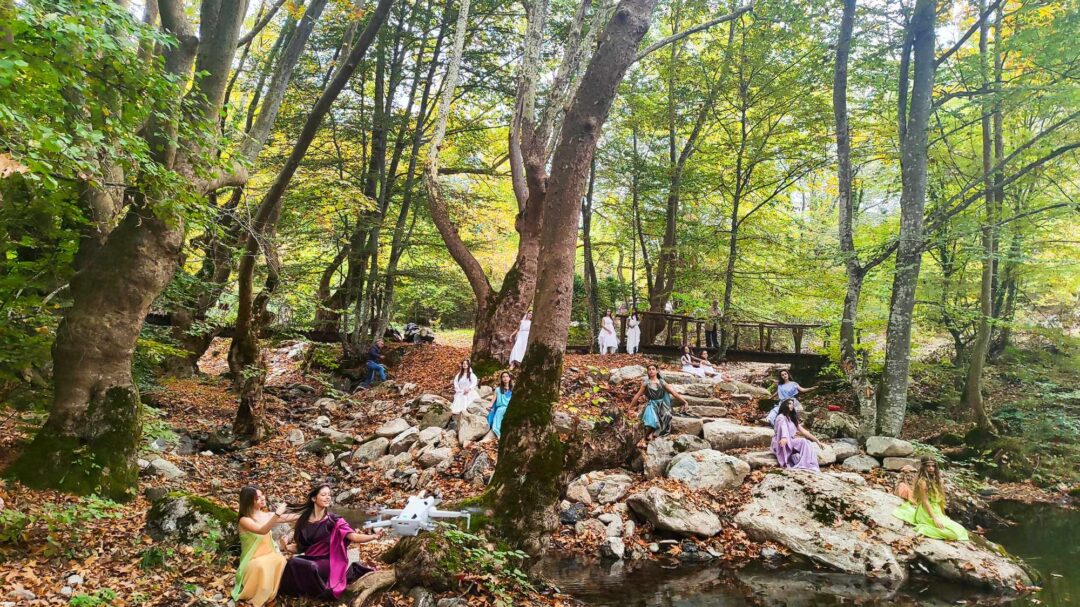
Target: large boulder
{"points": [[371, 450], [618, 376], [861, 463], [404, 441], [392, 428], [661, 450], [471, 428], [437, 416], [836, 424], [750, 390], [899, 463], [844, 449], [887, 446], [166, 469], [725, 434], [686, 425], [848, 525], [679, 378], [759, 459], [673, 512], [708, 469], [698, 390], [602, 487], [188, 519]]}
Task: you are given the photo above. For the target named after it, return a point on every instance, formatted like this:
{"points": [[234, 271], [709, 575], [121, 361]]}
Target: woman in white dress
{"points": [[707, 366], [517, 354], [465, 383], [608, 339], [633, 333], [690, 363]]}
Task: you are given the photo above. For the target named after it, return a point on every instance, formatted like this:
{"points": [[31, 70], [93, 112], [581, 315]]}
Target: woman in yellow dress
{"points": [[924, 505], [261, 563]]}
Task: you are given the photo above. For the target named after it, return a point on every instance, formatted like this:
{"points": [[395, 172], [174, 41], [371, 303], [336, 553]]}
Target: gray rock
{"points": [[422, 597], [834, 521], [437, 416], [329, 459], [843, 450], [608, 517], [614, 529], [75, 580], [861, 463], [425, 401], [687, 442], [165, 469], [392, 428], [22, 594], [698, 390], [142, 463], [371, 450], [563, 422], [725, 434], [328, 404], [672, 512], [154, 494], [322, 421], [453, 603], [618, 376], [613, 548], [887, 446], [433, 456], [158, 445], [404, 441], [187, 519], [708, 470], [708, 409], [897, 463], [759, 459], [430, 435], [471, 428], [590, 526], [658, 454], [603, 486], [826, 456], [67, 591], [573, 514], [628, 529], [295, 436], [479, 469], [686, 425], [835, 424]]}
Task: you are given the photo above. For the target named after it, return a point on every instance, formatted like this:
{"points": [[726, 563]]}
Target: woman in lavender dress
{"points": [[792, 444], [321, 567]]}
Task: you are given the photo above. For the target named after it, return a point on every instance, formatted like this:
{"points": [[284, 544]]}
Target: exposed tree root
{"points": [[370, 584]]}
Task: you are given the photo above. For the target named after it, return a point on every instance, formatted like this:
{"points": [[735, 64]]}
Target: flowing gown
{"points": [[498, 410], [633, 335], [798, 453], [689, 367], [517, 354], [608, 339], [260, 569], [464, 392], [321, 569], [657, 412], [923, 521], [784, 391]]}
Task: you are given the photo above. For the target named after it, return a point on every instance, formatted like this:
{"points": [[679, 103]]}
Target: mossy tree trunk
{"points": [[525, 486], [89, 441]]}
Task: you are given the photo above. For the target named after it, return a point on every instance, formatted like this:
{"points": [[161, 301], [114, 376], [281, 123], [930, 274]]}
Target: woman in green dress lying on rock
{"points": [[924, 505]]}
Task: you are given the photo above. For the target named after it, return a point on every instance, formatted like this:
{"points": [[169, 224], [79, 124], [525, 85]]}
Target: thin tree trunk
{"points": [[972, 395], [892, 395], [591, 286], [525, 488], [245, 358]]}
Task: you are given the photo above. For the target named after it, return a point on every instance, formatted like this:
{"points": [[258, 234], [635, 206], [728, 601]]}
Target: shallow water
{"points": [[1047, 536]]}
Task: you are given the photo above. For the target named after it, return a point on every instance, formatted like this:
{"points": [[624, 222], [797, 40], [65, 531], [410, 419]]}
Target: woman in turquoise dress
{"points": [[657, 395], [924, 505], [502, 400]]}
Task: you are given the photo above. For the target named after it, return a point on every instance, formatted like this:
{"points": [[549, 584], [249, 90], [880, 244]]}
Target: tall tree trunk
{"points": [[525, 488], [245, 356], [89, 441], [591, 286], [914, 121], [972, 395]]}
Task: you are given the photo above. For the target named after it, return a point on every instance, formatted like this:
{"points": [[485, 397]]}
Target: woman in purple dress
{"points": [[321, 569], [792, 444]]}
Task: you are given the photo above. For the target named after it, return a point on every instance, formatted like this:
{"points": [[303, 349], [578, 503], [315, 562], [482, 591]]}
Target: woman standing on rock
{"points": [[793, 445], [465, 383], [924, 505], [657, 394], [608, 339], [521, 340], [261, 563], [633, 333], [502, 400], [321, 567]]}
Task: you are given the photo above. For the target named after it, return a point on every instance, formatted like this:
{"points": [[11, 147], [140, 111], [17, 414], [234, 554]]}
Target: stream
{"points": [[1046, 536]]}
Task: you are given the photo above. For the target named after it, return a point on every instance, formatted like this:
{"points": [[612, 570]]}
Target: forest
{"points": [[551, 263]]}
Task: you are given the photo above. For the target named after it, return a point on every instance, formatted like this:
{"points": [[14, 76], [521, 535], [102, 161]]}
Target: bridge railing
{"points": [[758, 336]]}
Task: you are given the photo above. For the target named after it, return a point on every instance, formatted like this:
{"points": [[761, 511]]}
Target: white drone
{"points": [[419, 513]]}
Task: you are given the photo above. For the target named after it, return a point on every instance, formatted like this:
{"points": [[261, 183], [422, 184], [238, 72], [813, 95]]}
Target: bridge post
{"points": [[761, 336], [797, 334]]}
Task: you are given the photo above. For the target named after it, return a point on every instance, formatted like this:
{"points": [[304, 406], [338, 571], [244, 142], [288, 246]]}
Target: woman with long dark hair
{"points": [[786, 389], [656, 415], [464, 387], [502, 395], [792, 444], [321, 568], [261, 564], [633, 333], [924, 505]]}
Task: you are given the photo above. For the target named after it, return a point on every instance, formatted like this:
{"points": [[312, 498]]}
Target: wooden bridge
{"points": [[748, 341]]}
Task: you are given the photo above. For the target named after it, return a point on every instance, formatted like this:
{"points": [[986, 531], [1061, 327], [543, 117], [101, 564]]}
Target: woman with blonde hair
{"points": [[924, 505]]}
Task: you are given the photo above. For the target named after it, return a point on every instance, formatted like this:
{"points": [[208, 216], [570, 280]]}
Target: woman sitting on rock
{"points": [[465, 383], [786, 388], [321, 567], [924, 505], [657, 395], [261, 563], [691, 364], [793, 445], [502, 400]]}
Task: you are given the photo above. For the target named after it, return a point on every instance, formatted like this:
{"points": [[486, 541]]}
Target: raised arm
{"points": [[252, 526]]}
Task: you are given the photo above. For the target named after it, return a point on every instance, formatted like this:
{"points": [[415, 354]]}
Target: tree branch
{"points": [[693, 30]]}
